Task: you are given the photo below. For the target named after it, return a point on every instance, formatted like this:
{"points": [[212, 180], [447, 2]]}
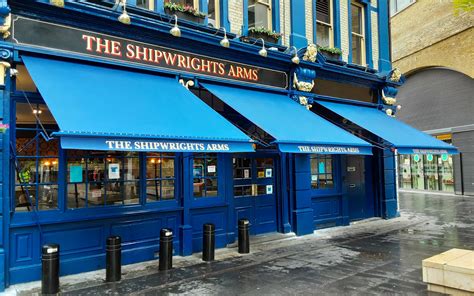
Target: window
{"points": [[322, 176], [324, 35], [37, 160], [147, 4], [205, 175], [357, 33], [260, 14], [398, 5], [98, 178], [160, 176], [193, 3], [213, 15]]}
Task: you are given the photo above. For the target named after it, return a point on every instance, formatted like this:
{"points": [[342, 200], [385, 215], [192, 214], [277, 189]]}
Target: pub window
{"points": [[205, 175], [357, 34], [324, 29], [213, 16], [147, 4], [192, 3], [160, 176], [36, 163], [260, 14], [322, 171], [99, 178]]}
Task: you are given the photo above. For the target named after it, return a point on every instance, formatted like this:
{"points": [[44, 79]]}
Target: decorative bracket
{"points": [[186, 84]]}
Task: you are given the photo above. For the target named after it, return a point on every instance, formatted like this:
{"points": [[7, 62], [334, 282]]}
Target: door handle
{"points": [[352, 185]]}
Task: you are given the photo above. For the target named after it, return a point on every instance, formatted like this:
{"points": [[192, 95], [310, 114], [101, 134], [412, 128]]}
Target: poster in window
{"points": [[211, 168], [114, 171], [314, 177], [321, 167], [246, 173], [269, 189], [268, 173], [197, 171], [75, 174]]}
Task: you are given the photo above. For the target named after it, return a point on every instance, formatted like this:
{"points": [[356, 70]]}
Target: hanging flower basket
{"points": [[265, 34], [185, 12]]}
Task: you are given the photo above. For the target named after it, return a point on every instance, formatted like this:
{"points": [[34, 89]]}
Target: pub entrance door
{"points": [[361, 205], [255, 191]]}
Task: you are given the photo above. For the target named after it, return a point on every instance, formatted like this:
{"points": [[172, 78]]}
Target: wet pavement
{"points": [[367, 258]]}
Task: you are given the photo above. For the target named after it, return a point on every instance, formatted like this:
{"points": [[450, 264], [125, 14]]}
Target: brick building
{"points": [[433, 45]]}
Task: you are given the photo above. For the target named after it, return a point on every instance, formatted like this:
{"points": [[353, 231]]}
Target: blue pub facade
{"points": [[118, 120]]}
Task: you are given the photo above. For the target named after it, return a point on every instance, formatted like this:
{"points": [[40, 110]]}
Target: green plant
{"points": [[184, 9], [332, 50], [265, 31]]}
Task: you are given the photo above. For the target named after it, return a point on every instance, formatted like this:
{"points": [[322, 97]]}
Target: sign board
{"points": [[351, 169], [114, 171], [93, 44], [75, 174]]}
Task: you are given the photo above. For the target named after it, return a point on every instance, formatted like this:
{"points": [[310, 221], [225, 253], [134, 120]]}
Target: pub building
{"points": [[125, 128]]}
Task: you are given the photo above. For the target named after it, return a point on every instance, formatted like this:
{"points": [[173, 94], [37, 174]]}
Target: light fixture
{"points": [[37, 111], [175, 31], [399, 107], [263, 52], [295, 59], [225, 42], [58, 3], [124, 18]]}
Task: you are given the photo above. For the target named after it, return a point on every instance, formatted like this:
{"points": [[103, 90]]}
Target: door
{"points": [[359, 203], [254, 192]]}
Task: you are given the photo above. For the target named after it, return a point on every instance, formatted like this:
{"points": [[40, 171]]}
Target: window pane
{"points": [[258, 14], [418, 176], [48, 170], [22, 202], [356, 49], [205, 175], [322, 172], [323, 35], [182, 2], [47, 197], [95, 194], [167, 189], [131, 169], [212, 13], [131, 192], [153, 190], [211, 187], [323, 11], [356, 14], [76, 195]]}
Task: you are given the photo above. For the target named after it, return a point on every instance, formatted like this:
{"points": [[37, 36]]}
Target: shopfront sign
{"points": [[62, 38], [325, 149], [146, 145]]}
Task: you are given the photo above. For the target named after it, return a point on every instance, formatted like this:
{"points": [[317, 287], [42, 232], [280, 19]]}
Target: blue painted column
{"points": [[298, 24], [389, 196], [302, 210], [186, 230], [385, 64]]}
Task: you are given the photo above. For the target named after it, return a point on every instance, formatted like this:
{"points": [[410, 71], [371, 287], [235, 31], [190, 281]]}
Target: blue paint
{"points": [[298, 25], [384, 37], [336, 24], [368, 35]]}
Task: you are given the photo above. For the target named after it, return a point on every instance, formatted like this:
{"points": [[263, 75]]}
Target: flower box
{"points": [[185, 16]]}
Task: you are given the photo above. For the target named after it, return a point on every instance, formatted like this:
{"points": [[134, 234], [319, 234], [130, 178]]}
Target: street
{"points": [[367, 258]]}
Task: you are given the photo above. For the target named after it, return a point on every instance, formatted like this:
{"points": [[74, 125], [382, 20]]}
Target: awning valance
{"points": [[102, 108], [405, 138], [295, 129]]}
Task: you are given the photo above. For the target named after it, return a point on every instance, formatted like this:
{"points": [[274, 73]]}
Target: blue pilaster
{"points": [[337, 24], [186, 230], [389, 197], [298, 24], [302, 211], [224, 11], [384, 36]]}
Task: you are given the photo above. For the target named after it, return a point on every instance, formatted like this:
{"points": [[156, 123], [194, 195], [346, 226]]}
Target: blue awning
{"points": [[102, 108], [295, 129], [405, 138]]}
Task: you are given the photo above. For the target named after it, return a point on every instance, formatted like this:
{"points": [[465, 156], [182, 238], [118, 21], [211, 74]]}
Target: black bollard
{"points": [[166, 249], [208, 242], [50, 269], [113, 256], [244, 241]]}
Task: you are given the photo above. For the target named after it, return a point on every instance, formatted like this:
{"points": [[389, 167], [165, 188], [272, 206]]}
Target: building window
{"points": [[36, 162], [99, 178], [357, 34], [260, 14], [160, 176], [146, 4], [205, 175], [322, 171], [192, 3], [213, 15], [398, 5], [324, 29]]}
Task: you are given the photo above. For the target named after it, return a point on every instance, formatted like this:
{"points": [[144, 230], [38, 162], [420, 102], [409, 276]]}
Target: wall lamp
{"points": [[224, 41], [175, 31], [263, 52], [295, 59], [124, 18]]}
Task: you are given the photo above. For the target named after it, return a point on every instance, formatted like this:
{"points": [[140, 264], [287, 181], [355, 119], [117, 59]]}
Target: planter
{"points": [[185, 16], [265, 37], [330, 56]]}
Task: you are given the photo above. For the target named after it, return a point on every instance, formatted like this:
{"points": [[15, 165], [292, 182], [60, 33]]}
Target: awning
{"points": [[102, 108], [295, 129], [405, 138]]}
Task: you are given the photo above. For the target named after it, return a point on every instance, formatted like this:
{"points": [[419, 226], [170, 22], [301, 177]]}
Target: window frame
{"points": [[397, 10], [330, 24], [217, 11], [363, 41], [334, 172], [270, 20]]}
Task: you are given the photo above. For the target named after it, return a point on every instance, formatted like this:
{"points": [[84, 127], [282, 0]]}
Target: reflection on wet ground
{"points": [[371, 258]]}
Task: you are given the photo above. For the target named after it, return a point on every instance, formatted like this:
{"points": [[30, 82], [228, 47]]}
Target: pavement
{"points": [[370, 257]]}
